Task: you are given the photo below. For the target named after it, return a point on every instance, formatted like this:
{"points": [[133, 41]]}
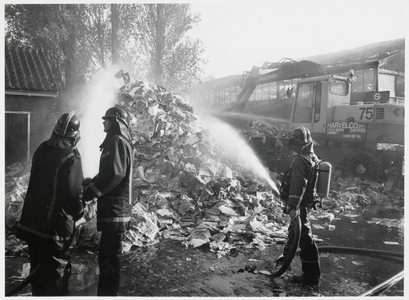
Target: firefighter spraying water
{"points": [[302, 187]]}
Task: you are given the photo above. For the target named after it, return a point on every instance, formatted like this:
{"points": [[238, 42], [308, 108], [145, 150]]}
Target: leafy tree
{"points": [[98, 31], [174, 59], [126, 39], [114, 32]]}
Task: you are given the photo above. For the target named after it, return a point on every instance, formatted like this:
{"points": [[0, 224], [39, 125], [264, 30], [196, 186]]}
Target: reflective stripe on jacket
{"points": [[54, 195], [112, 185]]}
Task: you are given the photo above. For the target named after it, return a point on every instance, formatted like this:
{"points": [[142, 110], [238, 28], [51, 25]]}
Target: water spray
{"points": [[100, 96], [231, 141]]}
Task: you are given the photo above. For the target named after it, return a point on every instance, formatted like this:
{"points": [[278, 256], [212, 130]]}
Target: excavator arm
{"points": [[249, 83]]}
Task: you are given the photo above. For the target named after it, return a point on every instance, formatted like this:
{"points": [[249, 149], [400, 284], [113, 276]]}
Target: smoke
{"points": [[101, 93], [230, 140]]}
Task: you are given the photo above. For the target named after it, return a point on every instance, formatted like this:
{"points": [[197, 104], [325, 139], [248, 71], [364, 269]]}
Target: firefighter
{"points": [[52, 204], [299, 196], [112, 187]]}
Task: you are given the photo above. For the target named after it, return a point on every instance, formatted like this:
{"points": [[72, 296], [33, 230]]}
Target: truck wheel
{"points": [[363, 164]]}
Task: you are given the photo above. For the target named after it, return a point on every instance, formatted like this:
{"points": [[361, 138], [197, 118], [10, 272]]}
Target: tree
{"points": [[126, 39], [114, 33], [174, 59], [97, 29]]}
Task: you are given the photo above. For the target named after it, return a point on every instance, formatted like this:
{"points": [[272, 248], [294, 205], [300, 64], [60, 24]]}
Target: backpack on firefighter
{"points": [[317, 186]]}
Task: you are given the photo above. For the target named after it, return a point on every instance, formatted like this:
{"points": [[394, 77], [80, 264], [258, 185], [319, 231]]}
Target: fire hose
{"points": [[294, 245], [379, 289], [38, 269], [26, 281], [328, 249], [18, 287], [286, 260]]}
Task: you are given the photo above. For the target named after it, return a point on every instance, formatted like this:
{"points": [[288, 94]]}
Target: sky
{"points": [[238, 35]]}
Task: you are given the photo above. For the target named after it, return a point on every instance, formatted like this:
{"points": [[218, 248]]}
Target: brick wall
{"points": [[43, 115]]}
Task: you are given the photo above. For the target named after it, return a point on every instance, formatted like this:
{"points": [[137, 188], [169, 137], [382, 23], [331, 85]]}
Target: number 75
{"points": [[367, 112]]}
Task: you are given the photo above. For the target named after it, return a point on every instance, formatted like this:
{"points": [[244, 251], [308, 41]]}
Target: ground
{"points": [[170, 269]]}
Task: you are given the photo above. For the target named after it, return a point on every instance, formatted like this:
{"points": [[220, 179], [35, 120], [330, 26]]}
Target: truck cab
{"points": [[314, 99]]}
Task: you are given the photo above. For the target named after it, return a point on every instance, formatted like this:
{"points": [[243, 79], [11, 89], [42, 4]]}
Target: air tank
{"points": [[324, 179]]}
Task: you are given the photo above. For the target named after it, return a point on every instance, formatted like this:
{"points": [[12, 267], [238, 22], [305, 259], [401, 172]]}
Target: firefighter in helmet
{"points": [[52, 205], [112, 187], [297, 191]]}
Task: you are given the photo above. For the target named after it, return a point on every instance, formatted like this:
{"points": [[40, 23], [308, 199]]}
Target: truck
{"points": [[363, 137]]}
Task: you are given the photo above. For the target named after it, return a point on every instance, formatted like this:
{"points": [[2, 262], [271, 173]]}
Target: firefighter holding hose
{"points": [[52, 205], [112, 187], [298, 193]]}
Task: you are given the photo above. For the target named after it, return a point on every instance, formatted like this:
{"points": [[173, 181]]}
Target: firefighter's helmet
{"points": [[118, 113], [68, 125], [302, 135]]}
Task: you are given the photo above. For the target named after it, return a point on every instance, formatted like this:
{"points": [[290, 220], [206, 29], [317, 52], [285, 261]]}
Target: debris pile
{"points": [[353, 192], [259, 129], [267, 142], [16, 187], [187, 188]]}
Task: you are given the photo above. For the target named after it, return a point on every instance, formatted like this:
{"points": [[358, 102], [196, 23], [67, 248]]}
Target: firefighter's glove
{"points": [[88, 194], [292, 212], [79, 216]]}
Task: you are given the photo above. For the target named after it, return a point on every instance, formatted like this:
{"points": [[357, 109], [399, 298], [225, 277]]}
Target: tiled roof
{"points": [[28, 70]]}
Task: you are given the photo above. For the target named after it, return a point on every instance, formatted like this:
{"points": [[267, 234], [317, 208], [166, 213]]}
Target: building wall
{"points": [[43, 115]]}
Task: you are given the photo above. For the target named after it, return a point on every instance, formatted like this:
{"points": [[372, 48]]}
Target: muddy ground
{"points": [[170, 269]]}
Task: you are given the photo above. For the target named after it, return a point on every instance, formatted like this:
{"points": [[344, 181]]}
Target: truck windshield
{"points": [[339, 87]]}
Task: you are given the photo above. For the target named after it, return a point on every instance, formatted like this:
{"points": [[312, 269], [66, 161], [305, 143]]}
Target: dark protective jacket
{"points": [[54, 196], [301, 171], [113, 184]]}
